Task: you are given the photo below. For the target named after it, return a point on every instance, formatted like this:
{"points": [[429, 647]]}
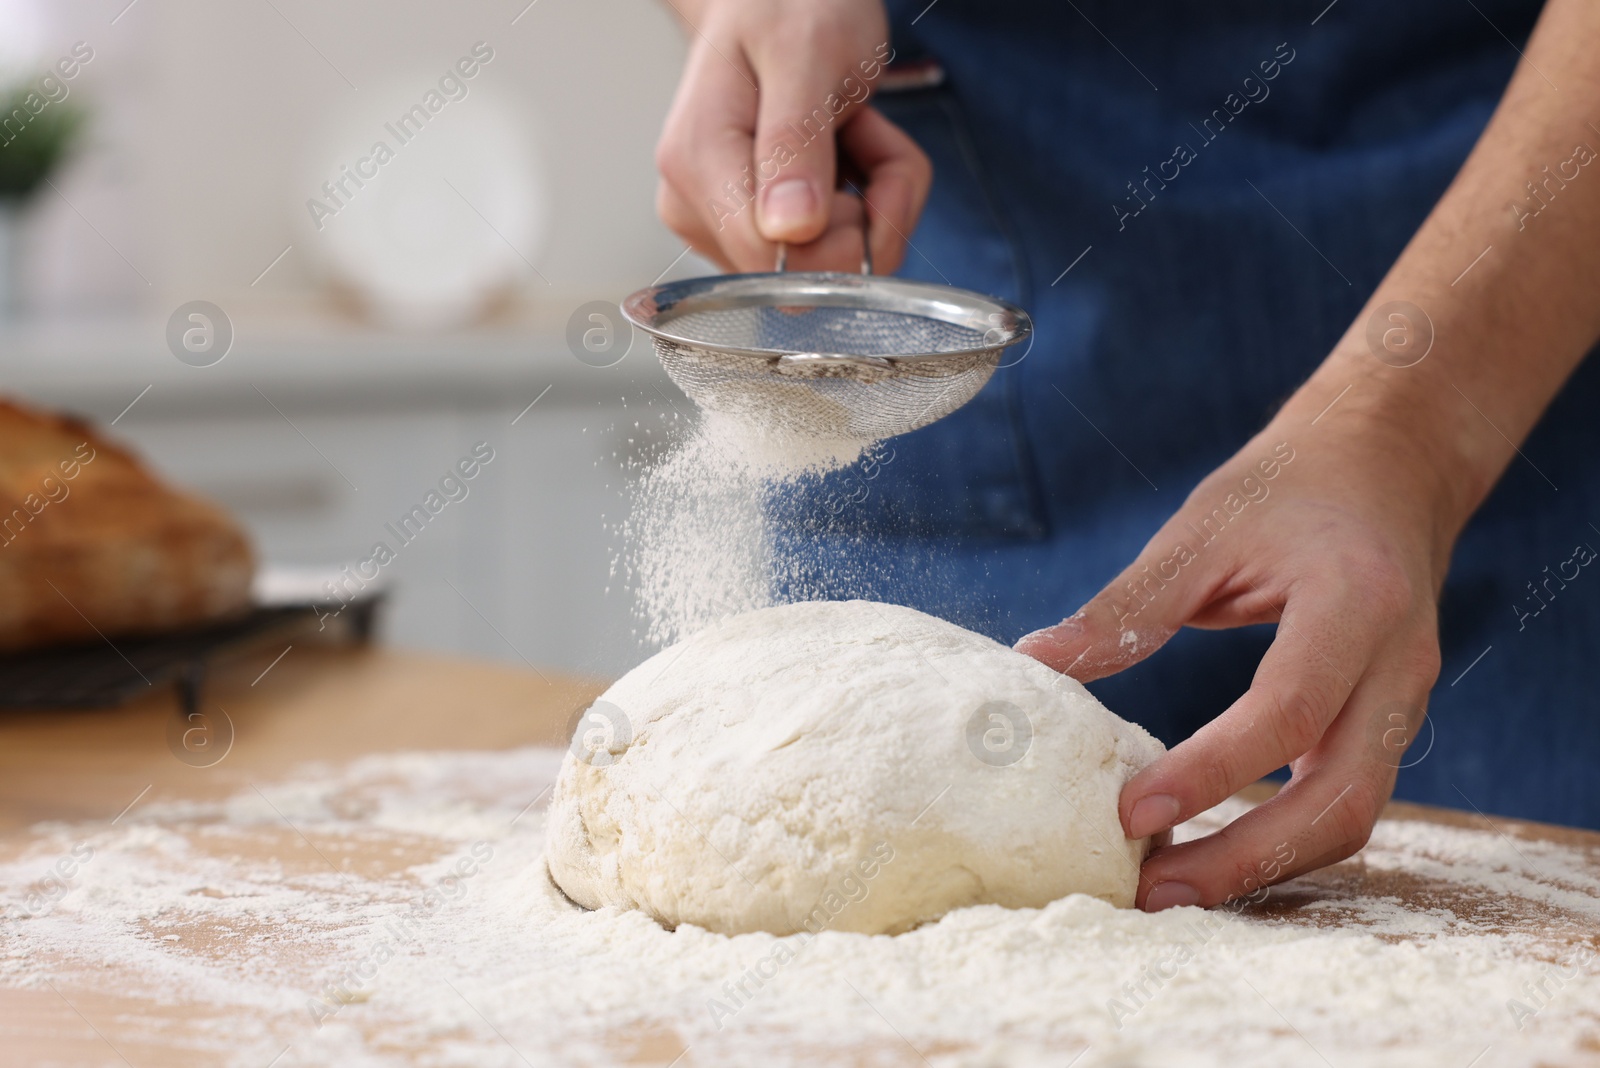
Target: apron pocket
{"points": [[969, 475]]}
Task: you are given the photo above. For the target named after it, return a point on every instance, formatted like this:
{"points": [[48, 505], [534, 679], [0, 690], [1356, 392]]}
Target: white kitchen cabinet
{"points": [[525, 547]]}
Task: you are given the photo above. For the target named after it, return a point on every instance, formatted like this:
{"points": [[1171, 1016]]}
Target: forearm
{"points": [[1511, 326]]}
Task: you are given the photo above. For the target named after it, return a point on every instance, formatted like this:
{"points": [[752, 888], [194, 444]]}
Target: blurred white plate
{"points": [[448, 226]]}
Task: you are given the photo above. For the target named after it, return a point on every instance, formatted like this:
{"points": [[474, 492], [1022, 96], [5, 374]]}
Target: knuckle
{"points": [[1248, 869], [921, 165], [1424, 660], [1219, 779], [1244, 878], [1300, 717], [673, 158], [1354, 815], [1348, 847]]}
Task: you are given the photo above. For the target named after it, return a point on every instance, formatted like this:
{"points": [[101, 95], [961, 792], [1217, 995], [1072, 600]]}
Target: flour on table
{"points": [[223, 914]]}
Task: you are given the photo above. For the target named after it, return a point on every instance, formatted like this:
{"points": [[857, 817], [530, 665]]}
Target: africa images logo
{"points": [[1168, 170]]}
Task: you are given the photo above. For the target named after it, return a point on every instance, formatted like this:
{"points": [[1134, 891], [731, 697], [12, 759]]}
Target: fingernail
{"points": [[1062, 633], [1170, 896], [788, 204], [1151, 814], [1034, 640]]}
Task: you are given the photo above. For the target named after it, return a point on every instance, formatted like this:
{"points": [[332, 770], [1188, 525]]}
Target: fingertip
{"points": [[1040, 643], [1169, 895], [1074, 648], [791, 210], [1151, 815]]}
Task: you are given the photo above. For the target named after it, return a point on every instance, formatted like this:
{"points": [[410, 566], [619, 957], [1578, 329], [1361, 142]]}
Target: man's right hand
{"points": [[738, 174]]}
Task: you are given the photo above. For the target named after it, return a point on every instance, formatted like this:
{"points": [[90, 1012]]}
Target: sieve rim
{"points": [[1000, 323]]}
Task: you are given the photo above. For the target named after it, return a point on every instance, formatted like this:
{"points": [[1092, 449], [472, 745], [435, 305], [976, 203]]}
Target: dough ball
{"points": [[842, 765]]}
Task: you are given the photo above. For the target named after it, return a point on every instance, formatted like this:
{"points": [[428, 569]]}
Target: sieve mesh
{"points": [[827, 399], [826, 355], [851, 331]]}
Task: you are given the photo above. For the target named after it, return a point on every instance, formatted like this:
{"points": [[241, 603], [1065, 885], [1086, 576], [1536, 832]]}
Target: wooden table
{"points": [[333, 705], [316, 704]]}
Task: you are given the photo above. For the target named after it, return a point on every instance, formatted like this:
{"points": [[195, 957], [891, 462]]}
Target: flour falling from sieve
{"points": [[697, 546]]}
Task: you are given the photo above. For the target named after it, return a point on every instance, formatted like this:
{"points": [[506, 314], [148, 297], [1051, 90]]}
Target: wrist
{"points": [[1397, 433]]}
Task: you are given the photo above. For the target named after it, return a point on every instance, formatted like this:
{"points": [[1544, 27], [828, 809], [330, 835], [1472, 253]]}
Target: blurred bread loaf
{"points": [[92, 541]]}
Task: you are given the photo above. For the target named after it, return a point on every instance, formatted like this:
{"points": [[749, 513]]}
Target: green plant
{"points": [[33, 140]]}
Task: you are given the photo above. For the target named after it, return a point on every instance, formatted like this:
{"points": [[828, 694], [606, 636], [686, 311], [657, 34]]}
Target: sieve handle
{"points": [[866, 245], [783, 257]]}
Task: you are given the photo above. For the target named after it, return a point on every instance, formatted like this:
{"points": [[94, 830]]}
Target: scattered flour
{"points": [[397, 910]]}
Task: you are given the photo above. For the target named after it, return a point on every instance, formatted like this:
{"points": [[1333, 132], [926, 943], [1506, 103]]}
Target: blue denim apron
{"points": [[1179, 297]]}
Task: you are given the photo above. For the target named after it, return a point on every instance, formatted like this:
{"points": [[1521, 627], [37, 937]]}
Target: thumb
{"points": [[795, 158], [1128, 620]]}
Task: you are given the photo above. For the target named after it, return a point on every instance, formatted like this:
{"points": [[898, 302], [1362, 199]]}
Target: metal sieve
{"points": [[826, 354]]}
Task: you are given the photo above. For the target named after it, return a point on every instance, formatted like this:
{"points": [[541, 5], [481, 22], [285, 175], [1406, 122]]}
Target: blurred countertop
{"points": [[305, 357]]}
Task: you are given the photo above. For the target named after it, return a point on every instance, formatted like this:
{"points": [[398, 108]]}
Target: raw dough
{"points": [[844, 765]]}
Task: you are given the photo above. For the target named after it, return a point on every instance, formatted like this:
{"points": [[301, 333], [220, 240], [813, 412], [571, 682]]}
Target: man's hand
{"points": [[748, 156], [1332, 535], [1347, 545]]}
